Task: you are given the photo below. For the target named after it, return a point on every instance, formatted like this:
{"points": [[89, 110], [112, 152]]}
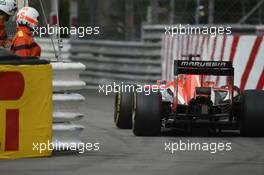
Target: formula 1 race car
{"points": [[189, 101]]}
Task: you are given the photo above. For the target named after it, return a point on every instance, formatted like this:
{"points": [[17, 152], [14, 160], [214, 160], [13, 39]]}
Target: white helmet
{"points": [[28, 16], [8, 6]]}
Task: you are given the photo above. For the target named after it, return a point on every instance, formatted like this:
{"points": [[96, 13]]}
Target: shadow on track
{"points": [[198, 133]]}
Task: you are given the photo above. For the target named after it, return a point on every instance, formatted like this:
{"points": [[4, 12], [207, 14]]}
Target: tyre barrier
{"points": [[66, 102]]}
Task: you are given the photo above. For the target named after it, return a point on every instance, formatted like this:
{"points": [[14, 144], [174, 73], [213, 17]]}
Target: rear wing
{"points": [[224, 68]]}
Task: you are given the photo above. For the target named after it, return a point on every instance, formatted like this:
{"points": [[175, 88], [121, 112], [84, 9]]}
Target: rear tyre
{"points": [[123, 110], [147, 114], [252, 113]]}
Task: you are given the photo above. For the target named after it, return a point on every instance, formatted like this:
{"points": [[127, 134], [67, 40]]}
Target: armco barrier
{"points": [[48, 50], [66, 103], [113, 61], [246, 52]]}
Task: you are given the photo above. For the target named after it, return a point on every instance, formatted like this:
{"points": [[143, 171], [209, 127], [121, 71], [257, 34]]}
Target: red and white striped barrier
{"points": [[246, 52]]}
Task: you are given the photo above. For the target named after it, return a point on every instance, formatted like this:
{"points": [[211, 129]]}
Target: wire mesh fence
{"points": [[113, 15], [123, 19]]}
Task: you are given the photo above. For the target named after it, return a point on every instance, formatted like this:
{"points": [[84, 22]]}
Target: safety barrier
{"points": [[66, 101], [113, 61], [246, 52], [66, 104], [109, 61], [48, 52]]}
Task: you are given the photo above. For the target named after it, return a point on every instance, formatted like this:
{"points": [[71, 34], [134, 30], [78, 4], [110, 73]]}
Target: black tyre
{"points": [[252, 113], [147, 114], [124, 110]]}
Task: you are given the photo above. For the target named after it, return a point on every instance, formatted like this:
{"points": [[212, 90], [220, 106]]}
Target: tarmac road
{"points": [[123, 153]]}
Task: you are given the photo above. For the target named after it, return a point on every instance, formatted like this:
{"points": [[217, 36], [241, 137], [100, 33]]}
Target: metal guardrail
{"points": [[117, 61], [48, 51], [113, 61]]}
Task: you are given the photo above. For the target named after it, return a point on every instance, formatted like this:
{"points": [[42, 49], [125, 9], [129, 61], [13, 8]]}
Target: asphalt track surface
{"points": [[123, 153]]}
